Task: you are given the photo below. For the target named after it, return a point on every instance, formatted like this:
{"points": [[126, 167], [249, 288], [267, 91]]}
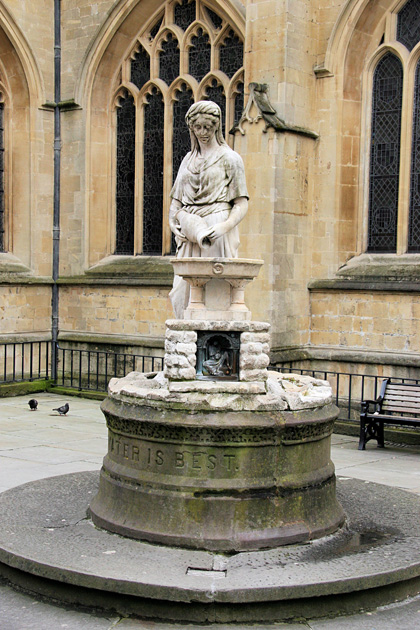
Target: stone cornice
{"points": [[347, 355]]}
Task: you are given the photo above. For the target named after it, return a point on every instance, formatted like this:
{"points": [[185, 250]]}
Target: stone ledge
{"points": [[364, 285], [216, 326], [281, 392], [375, 272], [335, 353], [231, 387], [12, 264], [148, 270], [114, 339], [207, 314], [26, 337]]}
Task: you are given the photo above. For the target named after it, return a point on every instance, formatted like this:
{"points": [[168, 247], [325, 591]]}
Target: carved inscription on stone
{"points": [[173, 459], [199, 435]]}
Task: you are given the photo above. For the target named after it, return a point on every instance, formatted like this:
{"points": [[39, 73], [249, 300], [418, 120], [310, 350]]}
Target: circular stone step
{"points": [[49, 545]]}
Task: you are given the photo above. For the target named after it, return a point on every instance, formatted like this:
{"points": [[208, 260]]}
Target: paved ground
{"points": [[34, 445]]}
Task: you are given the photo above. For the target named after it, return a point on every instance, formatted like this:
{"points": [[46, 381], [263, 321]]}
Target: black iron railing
{"points": [[349, 388], [92, 369], [25, 361]]}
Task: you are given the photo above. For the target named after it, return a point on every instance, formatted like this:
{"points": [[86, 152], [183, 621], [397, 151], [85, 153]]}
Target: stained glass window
{"points": [[181, 142], [216, 20], [2, 245], [140, 68], [153, 173], [155, 30], [200, 55], [231, 54], [158, 57], [239, 103], [180, 136], [414, 217], [126, 135], [408, 24], [385, 155], [184, 14], [215, 93], [169, 60]]}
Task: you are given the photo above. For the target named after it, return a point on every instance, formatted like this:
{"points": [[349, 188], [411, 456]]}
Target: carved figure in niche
{"points": [[209, 196], [218, 363]]}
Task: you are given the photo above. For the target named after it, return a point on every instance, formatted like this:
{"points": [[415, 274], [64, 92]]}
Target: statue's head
{"points": [[210, 111]]}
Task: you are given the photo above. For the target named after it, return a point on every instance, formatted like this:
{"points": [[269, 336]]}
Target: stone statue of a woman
{"points": [[209, 197]]}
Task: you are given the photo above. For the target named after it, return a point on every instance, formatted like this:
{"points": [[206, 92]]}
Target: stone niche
{"points": [[218, 356], [188, 347]]}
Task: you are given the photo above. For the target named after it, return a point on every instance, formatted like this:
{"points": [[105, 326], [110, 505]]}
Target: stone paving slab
{"points": [[44, 531], [15, 472], [401, 616], [85, 418], [19, 611], [22, 612]]}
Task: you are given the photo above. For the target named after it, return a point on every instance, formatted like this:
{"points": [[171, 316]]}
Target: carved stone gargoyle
{"points": [[258, 96]]}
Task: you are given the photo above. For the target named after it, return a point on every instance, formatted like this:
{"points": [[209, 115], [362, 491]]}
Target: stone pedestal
{"points": [[215, 452], [217, 286], [219, 466]]}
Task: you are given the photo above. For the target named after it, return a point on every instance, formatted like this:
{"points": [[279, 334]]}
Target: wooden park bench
{"points": [[398, 403]]}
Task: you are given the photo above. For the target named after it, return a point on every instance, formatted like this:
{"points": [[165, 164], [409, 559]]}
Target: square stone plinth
{"points": [[181, 355]]}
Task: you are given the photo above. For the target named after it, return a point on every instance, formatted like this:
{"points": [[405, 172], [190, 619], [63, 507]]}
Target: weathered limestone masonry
{"points": [[24, 310], [181, 348], [214, 452], [308, 209]]}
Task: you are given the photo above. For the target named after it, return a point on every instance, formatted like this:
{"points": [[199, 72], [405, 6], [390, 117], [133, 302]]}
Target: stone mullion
{"points": [[112, 222], [407, 121], [138, 239], [167, 169], [6, 201]]}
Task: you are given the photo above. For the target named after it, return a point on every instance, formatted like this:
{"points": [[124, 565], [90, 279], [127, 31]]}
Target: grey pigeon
{"points": [[62, 410], [33, 404]]}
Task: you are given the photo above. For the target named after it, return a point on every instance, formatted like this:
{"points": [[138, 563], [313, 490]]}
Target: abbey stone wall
{"points": [[307, 184]]}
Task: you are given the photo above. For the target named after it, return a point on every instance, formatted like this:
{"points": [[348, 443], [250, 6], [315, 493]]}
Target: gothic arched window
{"points": [[394, 190], [414, 216], [185, 54], [385, 154]]}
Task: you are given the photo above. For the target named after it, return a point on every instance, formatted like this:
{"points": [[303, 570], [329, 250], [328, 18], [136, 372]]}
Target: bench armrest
{"points": [[366, 405]]}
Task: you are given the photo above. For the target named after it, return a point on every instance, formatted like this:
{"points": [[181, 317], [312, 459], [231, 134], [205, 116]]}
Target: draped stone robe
{"points": [[207, 187]]}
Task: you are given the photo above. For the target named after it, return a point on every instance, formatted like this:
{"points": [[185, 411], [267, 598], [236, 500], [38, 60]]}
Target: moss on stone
{"points": [[25, 387]]}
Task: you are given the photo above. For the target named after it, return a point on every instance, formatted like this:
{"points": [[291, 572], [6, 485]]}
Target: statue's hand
{"points": [[218, 230], [176, 229]]}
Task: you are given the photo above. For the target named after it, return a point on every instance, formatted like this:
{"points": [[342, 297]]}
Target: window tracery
{"points": [[408, 24], [153, 172], [385, 154], [215, 92], [200, 55], [394, 213], [184, 13], [169, 59], [168, 71], [414, 216], [140, 68], [125, 174], [231, 54]]}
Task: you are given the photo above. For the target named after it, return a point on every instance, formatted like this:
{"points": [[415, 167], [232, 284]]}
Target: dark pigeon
{"points": [[33, 404], [62, 410]]}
